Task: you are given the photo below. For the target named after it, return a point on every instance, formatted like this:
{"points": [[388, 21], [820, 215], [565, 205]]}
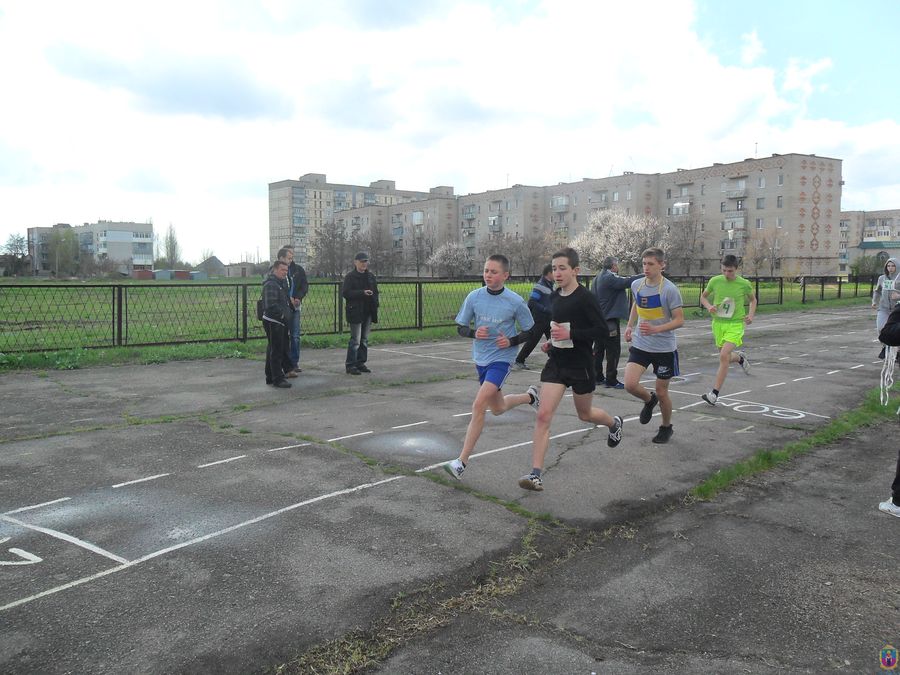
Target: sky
{"points": [[181, 113]]}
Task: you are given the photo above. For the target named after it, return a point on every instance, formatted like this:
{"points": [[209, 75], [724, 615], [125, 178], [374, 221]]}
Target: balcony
{"points": [[468, 230], [735, 215], [560, 204], [469, 213], [736, 194]]}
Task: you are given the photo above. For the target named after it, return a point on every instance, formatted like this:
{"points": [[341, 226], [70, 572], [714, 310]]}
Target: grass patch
{"points": [[869, 412]]}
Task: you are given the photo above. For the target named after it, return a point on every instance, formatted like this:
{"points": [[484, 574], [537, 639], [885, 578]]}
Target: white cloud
{"points": [[183, 112]]}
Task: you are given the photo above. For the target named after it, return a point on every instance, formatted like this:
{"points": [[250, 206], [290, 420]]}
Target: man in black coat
{"points": [[890, 336], [609, 289], [360, 292], [299, 288], [276, 317]]}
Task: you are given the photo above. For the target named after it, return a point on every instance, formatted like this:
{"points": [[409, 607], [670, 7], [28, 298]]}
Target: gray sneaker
{"points": [[887, 507], [455, 468], [533, 391], [531, 482], [518, 365], [710, 397], [745, 363]]}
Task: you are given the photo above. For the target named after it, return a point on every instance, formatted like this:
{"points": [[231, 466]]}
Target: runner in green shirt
{"points": [[724, 297]]}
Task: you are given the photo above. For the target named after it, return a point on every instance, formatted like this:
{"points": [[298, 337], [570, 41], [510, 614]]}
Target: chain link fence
{"points": [[56, 316]]}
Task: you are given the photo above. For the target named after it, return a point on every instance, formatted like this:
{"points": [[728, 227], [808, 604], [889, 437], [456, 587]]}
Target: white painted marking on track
{"points": [[777, 384], [37, 506], [462, 414], [66, 537], [861, 365], [425, 356], [802, 355], [783, 358], [414, 424], [26, 558], [691, 405], [745, 430], [150, 556], [832, 372], [141, 480], [290, 447], [341, 438], [843, 347], [822, 350], [800, 379], [221, 461]]}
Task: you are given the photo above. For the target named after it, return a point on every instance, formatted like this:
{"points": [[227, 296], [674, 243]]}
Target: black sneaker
{"points": [[352, 370], [615, 432], [281, 384], [664, 434], [647, 410], [363, 368]]}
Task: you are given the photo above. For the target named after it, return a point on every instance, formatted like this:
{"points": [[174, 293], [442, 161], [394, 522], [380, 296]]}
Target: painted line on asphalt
{"points": [[777, 384], [221, 461], [290, 447], [414, 424], [800, 379], [150, 556], [832, 372], [141, 480], [861, 365], [37, 506], [66, 537], [425, 356], [341, 438]]}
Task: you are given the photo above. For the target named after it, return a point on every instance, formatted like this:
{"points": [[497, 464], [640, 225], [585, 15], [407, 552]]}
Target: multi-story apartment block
{"points": [[128, 245], [780, 213], [868, 233], [298, 207]]}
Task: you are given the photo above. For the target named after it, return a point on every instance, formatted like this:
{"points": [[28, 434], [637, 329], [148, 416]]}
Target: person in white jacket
{"points": [[885, 296]]}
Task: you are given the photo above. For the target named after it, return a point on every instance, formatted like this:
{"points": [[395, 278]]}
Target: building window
{"points": [[615, 195], [779, 221], [742, 184], [702, 227], [724, 187], [703, 189], [684, 191], [760, 223], [760, 202], [761, 182], [781, 179], [740, 205], [668, 210], [779, 202], [722, 207], [668, 194], [628, 195]]}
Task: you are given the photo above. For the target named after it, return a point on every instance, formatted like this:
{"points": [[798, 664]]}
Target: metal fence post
{"points": [[119, 305], [821, 288], [839, 288], [339, 308], [244, 310], [803, 290], [780, 290], [420, 306]]}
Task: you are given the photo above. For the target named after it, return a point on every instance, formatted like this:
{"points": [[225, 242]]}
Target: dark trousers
{"points": [[541, 327], [611, 347], [895, 486], [278, 360]]}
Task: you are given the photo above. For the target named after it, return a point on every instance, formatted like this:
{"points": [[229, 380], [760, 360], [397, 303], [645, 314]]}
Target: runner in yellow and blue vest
{"points": [[657, 312]]}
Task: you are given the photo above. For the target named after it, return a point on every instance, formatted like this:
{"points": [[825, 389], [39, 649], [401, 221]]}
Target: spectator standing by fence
{"points": [[299, 289], [609, 289], [360, 292], [539, 305], [276, 313]]}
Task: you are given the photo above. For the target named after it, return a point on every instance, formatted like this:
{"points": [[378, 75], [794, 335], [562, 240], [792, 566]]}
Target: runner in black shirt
{"points": [[577, 322]]}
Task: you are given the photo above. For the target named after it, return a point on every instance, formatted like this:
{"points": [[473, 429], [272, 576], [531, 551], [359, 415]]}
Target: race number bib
{"points": [[888, 285], [726, 308]]}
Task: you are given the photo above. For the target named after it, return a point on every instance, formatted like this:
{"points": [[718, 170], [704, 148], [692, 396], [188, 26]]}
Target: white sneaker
{"points": [[518, 365], [455, 468], [890, 508], [536, 403], [710, 398], [745, 364]]}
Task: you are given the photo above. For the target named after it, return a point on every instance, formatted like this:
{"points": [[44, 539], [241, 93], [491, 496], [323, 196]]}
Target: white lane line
{"points": [[414, 424], [777, 384], [783, 358], [341, 438], [832, 372], [800, 379], [221, 461], [861, 365], [150, 556], [876, 361], [737, 393], [802, 355], [822, 350], [141, 480], [37, 506], [66, 537], [462, 414], [426, 356], [691, 405], [843, 347], [290, 447]]}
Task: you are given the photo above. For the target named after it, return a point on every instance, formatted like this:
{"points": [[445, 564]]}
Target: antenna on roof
{"points": [[610, 169]]}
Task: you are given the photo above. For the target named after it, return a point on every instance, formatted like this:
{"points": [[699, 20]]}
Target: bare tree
{"points": [[423, 243], [451, 258], [756, 253], [681, 242], [332, 249], [612, 232], [16, 249], [529, 254], [171, 247], [63, 252]]}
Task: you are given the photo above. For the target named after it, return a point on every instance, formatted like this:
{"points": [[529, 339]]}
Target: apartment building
{"points": [[298, 207], [868, 233], [781, 214], [128, 245]]}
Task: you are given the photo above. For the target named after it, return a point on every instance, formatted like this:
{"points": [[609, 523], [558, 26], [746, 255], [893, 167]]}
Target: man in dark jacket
{"points": [[890, 336], [276, 316], [609, 288], [539, 304], [299, 287], [360, 292]]}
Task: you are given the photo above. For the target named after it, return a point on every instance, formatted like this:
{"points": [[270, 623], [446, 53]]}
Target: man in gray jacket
{"points": [[609, 288]]}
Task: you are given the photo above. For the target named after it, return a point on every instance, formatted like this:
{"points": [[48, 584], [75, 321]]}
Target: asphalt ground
{"points": [[186, 517]]}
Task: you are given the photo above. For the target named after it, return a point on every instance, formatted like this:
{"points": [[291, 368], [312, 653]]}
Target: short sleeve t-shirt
{"points": [[499, 313], [729, 297], [654, 304]]}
